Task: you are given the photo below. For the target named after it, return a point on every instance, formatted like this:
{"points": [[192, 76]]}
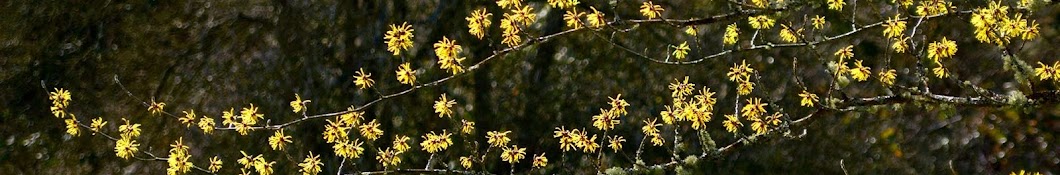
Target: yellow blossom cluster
{"points": [[478, 22], [761, 22], [515, 20], [1046, 72], [277, 140], [467, 127], [398, 38], [448, 59], [938, 50], [444, 106], [310, 165], [934, 7], [363, 80], [257, 162], [540, 161], [497, 139], [513, 154], [432, 143], [336, 132], [731, 34], [401, 143], [836, 5], [607, 119], [696, 109], [575, 139], [993, 24], [388, 157], [371, 130], [741, 74], [127, 146], [178, 158], [405, 74], [789, 35], [650, 10], [60, 100], [652, 129]]}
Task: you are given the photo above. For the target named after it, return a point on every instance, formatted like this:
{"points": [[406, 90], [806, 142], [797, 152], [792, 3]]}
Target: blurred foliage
{"points": [[211, 56]]}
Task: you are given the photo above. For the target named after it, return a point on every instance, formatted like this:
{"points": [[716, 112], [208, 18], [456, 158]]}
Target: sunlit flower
{"points": [[478, 22], [388, 157], [71, 127], [399, 38], [650, 10], [126, 147], [657, 140], [818, 21], [371, 130], [188, 119], [509, 3], [156, 107], [524, 15], [754, 108], [298, 105], [732, 124], [97, 125], [467, 127], [215, 164], [465, 162], [860, 73], [596, 18], [540, 161], [681, 88], [310, 165], [1044, 72], [178, 158], [573, 18], [740, 72], [335, 132], [615, 142], [836, 5], [845, 52], [761, 22], [513, 154], [808, 99], [276, 141], [940, 72], [941, 49], [650, 127], [563, 3], [566, 138], [348, 149], [401, 143], [129, 130], [680, 51], [206, 124], [894, 27], [250, 115], [363, 80], [433, 143], [497, 138], [789, 35], [731, 34], [744, 87], [887, 77], [606, 120], [444, 106], [406, 75]]}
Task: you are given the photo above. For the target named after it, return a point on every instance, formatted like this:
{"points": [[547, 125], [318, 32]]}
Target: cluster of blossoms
{"points": [[178, 158], [993, 24], [575, 139], [257, 162]]}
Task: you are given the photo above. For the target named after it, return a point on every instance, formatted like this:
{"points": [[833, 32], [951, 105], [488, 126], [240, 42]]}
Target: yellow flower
{"points": [[371, 130], [61, 97], [563, 3], [894, 27], [606, 120], [310, 165], [789, 35], [759, 126], [650, 127], [71, 127], [432, 143], [215, 164], [596, 19], [156, 107], [681, 51], [277, 139], [478, 22], [497, 138], [760, 3], [250, 115], [524, 15], [348, 149], [836, 5], [754, 108], [510, 32], [744, 87], [540, 161], [406, 75], [732, 124], [808, 99], [692, 30], [940, 72], [188, 119], [129, 130], [860, 73], [452, 65], [509, 3], [573, 18], [681, 88], [206, 124], [298, 105], [936, 7], [262, 167], [903, 3], [247, 161], [444, 106], [1044, 72], [650, 10], [178, 158], [126, 147], [388, 157], [335, 132], [363, 80], [588, 144], [657, 140], [731, 34], [887, 77], [941, 49], [740, 72], [618, 105], [566, 138], [467, 126], [760, 22], [466, 162], [97, 125], [399, 38], [1022, 172], [352, 118], [228, 117], [513, 154], [818, 22], [615, 142], [899, 44], [845, 53], [401, 143]]}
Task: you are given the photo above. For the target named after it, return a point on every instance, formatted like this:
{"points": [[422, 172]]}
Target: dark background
{"points": [[214, 55]]}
